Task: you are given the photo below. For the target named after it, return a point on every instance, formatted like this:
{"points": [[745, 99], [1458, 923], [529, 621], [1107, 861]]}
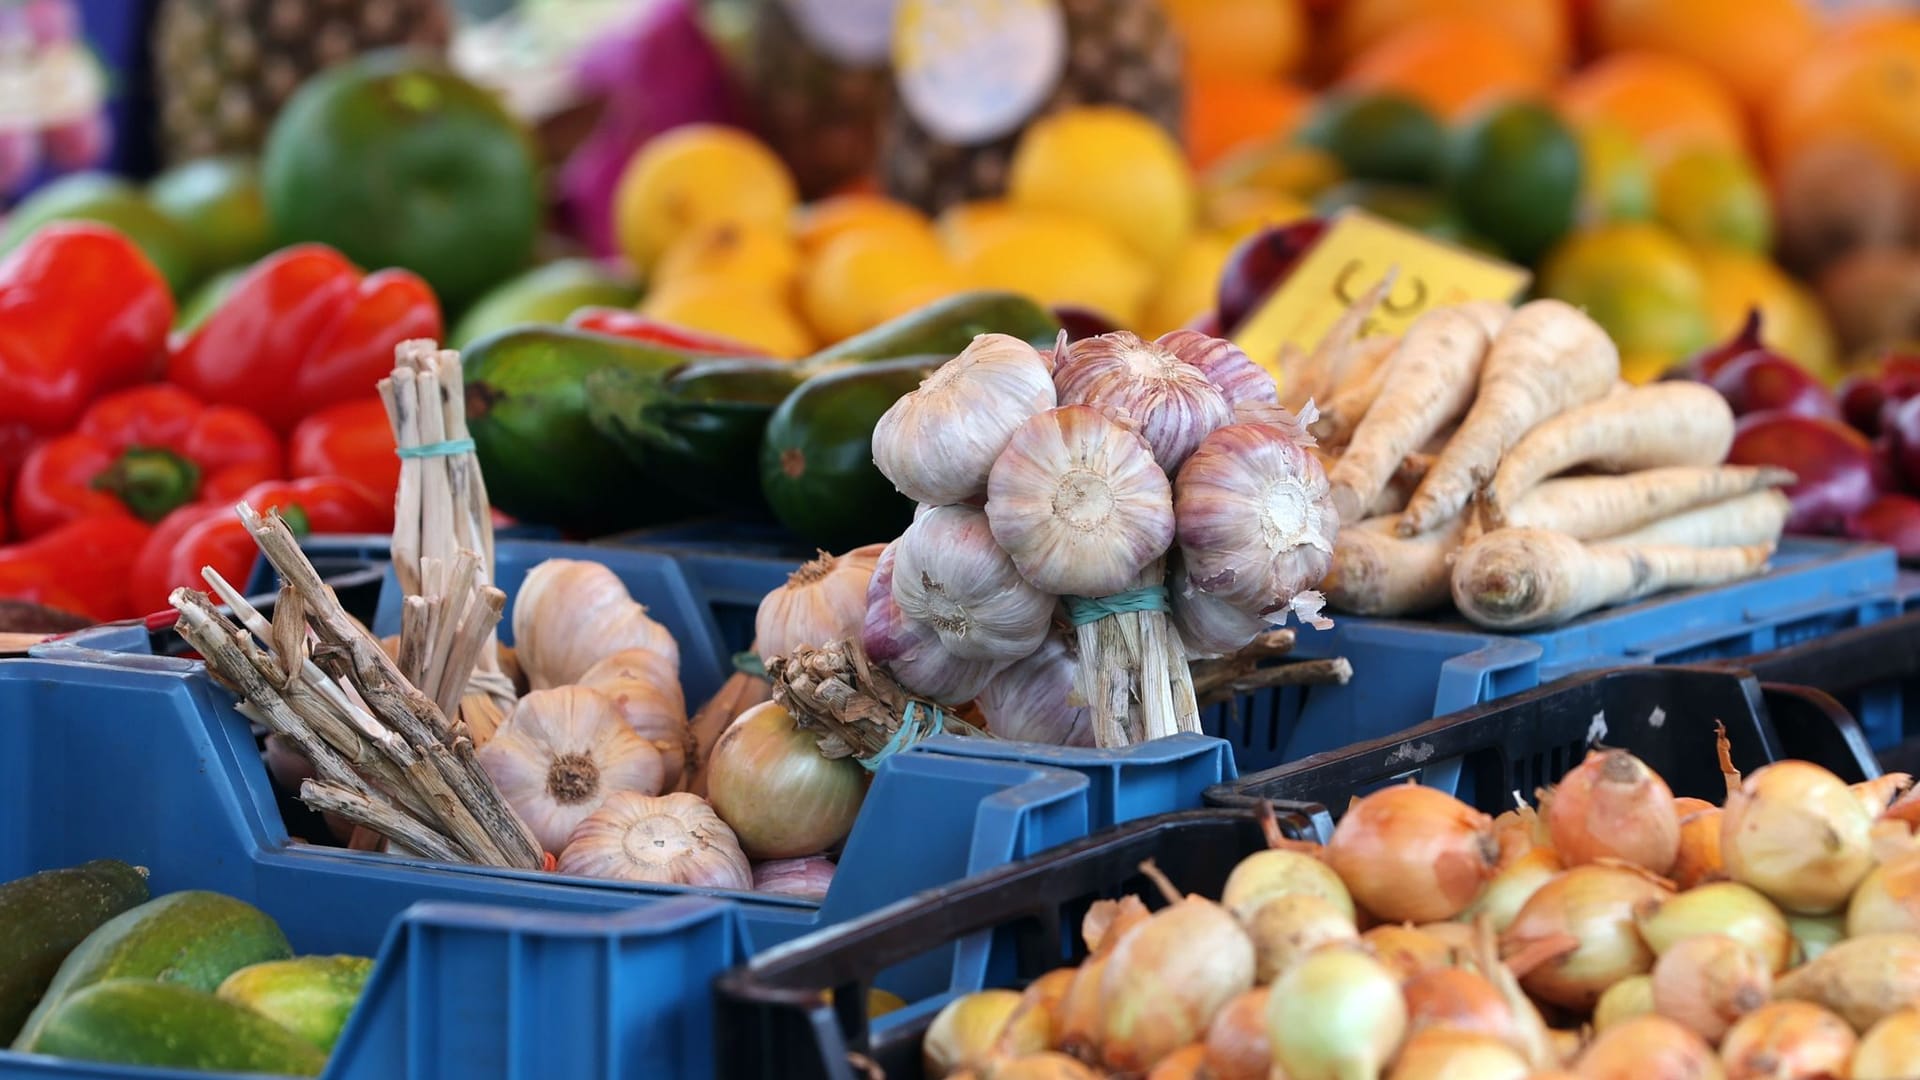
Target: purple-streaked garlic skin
{"points": [[912, 653], [1172, 403], [951, 576], [673, 839], [1254, 518], [823, 601], [1225, 365], [808, 877], [938, 443], [1033, 700], [1208, 625], [563, 753]]}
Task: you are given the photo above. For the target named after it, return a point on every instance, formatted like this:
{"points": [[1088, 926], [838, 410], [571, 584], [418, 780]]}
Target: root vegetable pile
{"points": [[1617, 932]]}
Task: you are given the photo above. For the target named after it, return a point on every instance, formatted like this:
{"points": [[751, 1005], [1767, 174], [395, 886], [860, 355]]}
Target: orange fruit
{"points": [[696, 176], [1540, 25], [1226, 114], [1863, 85], [817, 224], [1666, 103], [863, 278], [739, 310], [1452, 65], [1748, 44], [1252, 39], [1055, 259], [756, 255]]}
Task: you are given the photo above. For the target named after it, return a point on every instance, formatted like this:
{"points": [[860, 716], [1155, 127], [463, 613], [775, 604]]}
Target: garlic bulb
{"points": [[1208, 625], [937, 443], [570, 614], [561, 754], [824, 600], [809, 876], [950, 576], [1032, 700], [912, 653], [1233, 371], [1255, 522], [672, 839], [655, 708], [1174, 403], [1078, 503]]}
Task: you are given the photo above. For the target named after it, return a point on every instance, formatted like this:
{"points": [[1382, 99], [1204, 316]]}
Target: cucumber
{"points": [[941, 329], [193, 939], [45, 916], [311, 996], [816, 465], [136, 1022]]}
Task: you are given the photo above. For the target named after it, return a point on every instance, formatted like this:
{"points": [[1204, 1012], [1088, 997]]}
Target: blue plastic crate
{"points": [[734, 564], [1133, 782]]}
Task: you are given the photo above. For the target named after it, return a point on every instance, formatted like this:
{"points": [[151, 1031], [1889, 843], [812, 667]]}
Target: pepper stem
{"points": [[151, 482]]}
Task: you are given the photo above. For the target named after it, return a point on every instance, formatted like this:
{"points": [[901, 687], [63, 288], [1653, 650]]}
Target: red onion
{"points": [[1890, 519], [1764, 382], [1833, 461]]}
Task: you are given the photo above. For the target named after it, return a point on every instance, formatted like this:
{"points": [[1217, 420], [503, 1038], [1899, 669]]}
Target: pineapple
{"points": [[223, 68], [821, 113], [1119, 52]]}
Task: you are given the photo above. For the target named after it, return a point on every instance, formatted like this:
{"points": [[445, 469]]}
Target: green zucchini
{"points": [[45, 916], [816, 465], [311, 996], [941, 329], [137, 1022], [194, 939]]}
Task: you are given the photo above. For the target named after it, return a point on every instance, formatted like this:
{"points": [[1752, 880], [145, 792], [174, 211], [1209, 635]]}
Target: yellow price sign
{"points": [[1352, 256]]}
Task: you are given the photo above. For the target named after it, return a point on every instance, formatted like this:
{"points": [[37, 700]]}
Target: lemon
{"points": [[1640, 283], [1618, 181], [863, 278], [732, 309], [695, 176], [1277, 165], [1056, 259], [1190, 283], [756, 255], [1240, 212], [1791, 318], [1112, 166], [1712, 196], [818, 223], [962, 226]]}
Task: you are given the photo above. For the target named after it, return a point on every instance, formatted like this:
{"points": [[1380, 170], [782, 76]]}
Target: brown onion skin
{"points": [[1046, 1065], [1699, 861], [1237, 1046], [1888, 1049], [1709, 981], [1186, 1063], [1612, 806], [767, 781], [1887, 900], [1787, 1040], [1457, 999], [1595, 904], [1437, 1054], [1413, 854], [1406, 950], [1166, 979], [1648, 1048]]}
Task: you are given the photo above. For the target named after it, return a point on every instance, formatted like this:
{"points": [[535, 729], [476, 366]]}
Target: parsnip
{"points": [[1313, 377], [1520, 579], [1350, 398], [1375, 572], [1393, 498], [1593, 507], [1647, 427], [1428, 384], [1547, 358], [1747, 519]]}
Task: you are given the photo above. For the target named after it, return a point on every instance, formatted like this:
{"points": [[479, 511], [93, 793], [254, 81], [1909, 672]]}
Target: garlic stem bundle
{"points": [[937, 443], [824, 600], [1240, 379], [912, 653], [1174, 403], [672, 839], [1033, 700], [571, 614], [1078, 503], [1255, 519], [951, 576], [561, 754]]}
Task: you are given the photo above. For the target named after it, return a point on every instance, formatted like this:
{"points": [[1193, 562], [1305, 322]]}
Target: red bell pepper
{"points": [[82, 312], [80, 567], [147, 450], [352, 439], [210, 534], [301, 330], [619, 322]]}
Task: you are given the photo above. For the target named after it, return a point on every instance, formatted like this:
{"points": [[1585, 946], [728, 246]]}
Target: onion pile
{"points": [[1428, 940]]}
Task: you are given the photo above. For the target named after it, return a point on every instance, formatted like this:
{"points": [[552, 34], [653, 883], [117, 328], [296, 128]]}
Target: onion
{"points": [[1407, 951], [1167, 978], [1237, 1043], [767, 781], [1724, 907], [1076, 1020], [1708, 982], [1623, 1001], [1457, 936], [1045, 995], [1683, 805], [1887, 900], [1413, 854], [1046, 1065], [1863, 978], [1446, 1054], [1590, 908], [973, 1028], [1815, 934], [1797, 833], [1286, 928], [1511, 887], [1612, 806], [1186, 1063], [1890, 1048], [1699, 860], [1879, 793], [1459, 1000], [1336, 1014], [1276, 872], [1787, 1040], [810, 877], [1648, 1048]]}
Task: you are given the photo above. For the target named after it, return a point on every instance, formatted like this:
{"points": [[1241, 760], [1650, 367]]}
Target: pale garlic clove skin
{"points": [[1255, 519], [1173, 403], [673, 839], [561, 754], [938, 443], [808, 877], [1032, 700], [951, 576], [1240, 380], [1078, 503], [823, 601], [1208, 625], [654, 708], [570, 614], [912, 653]]}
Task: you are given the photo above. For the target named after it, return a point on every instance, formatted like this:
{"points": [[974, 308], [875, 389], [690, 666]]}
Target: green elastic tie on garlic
{"points": [[446, 448], [920, 721], [746, 663], [1091, 609]]}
